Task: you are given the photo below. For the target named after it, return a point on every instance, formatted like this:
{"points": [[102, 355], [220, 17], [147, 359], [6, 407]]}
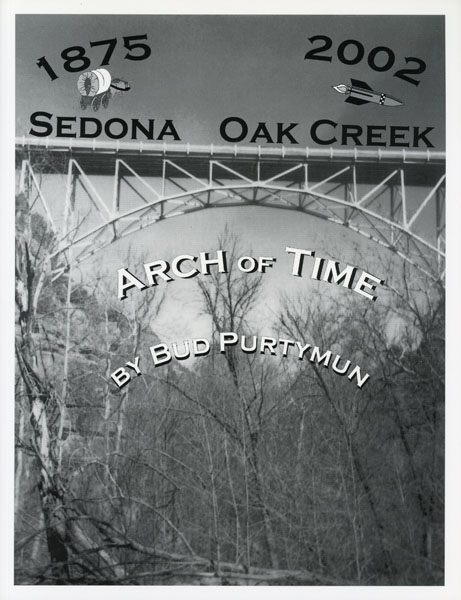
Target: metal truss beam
{"points": [[366, 191]]}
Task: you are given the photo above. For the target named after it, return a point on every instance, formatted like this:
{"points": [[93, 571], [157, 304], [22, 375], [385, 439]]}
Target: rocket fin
{"points": [[361, 84], [356, 100]]}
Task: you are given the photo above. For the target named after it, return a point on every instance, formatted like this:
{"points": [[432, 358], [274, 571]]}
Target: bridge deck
{"points": [[98, 157]]}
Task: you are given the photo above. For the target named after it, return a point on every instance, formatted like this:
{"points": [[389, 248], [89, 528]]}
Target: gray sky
{"points": [[206, 68]]}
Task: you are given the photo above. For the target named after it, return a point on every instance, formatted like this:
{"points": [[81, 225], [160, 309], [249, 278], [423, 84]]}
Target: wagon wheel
{"points": [[106, 98], [83, 104], [96, 103]]}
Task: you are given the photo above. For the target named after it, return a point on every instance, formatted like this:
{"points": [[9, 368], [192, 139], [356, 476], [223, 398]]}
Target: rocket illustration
{"points": [[360, 92]]}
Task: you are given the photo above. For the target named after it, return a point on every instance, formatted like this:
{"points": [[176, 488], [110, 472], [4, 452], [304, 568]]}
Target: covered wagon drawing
{"points": [[97, 87]]}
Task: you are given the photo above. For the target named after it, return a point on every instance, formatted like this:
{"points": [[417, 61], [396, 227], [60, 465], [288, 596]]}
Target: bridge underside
{"points": [[94, 194]]}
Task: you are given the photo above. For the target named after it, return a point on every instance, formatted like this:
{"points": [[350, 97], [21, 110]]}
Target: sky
{"points": [[203, 69]]}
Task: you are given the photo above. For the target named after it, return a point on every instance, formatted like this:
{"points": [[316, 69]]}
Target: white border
{"points": [[452, 11]]}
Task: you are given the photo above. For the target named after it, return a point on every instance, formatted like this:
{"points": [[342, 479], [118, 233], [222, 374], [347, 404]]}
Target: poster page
{"points": [[228, 358]]}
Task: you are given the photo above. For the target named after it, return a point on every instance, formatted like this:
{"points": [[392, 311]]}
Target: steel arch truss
{"points": [[377, 199]]}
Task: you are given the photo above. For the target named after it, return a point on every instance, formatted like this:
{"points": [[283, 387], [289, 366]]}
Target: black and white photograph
{"points": [[230, 247]]}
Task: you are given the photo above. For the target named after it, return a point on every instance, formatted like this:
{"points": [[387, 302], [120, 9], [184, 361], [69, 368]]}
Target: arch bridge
{"points": [[94, 193]]}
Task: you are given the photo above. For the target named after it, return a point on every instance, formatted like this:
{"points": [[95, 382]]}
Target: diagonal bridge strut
{"points": [[95, 193]]}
